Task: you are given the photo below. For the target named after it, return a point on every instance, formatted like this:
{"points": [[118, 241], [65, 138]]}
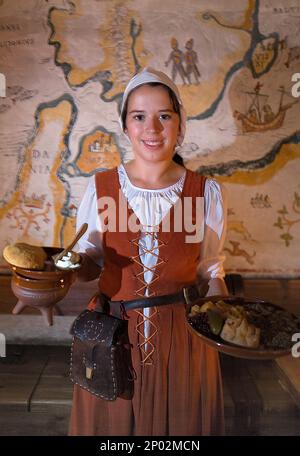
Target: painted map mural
{"points": [[66, 64]]}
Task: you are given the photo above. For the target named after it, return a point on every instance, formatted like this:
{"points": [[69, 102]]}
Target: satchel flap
{"points": [[96, 327]]}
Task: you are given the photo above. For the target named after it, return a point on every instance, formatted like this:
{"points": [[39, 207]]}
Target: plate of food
{"points": [[244, 327]]}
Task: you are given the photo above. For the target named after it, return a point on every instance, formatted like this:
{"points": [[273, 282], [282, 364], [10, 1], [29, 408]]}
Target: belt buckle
{"points": [[191, 293]]}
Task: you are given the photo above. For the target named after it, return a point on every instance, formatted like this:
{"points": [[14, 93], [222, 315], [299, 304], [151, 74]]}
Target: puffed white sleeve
{"points": [[91, 241], [211, 253]]}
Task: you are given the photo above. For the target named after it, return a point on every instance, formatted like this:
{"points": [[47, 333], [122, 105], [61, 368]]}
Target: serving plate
{"points": [[276, 324]]}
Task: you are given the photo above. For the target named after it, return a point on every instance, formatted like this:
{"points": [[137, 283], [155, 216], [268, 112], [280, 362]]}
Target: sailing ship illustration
{"points": [[259, 116]]}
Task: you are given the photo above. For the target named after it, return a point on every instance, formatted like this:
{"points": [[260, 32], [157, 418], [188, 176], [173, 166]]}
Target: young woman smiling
{"points": [[178, 387]]}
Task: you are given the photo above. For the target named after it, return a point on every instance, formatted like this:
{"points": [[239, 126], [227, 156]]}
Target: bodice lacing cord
{"points": [[146, 346]]}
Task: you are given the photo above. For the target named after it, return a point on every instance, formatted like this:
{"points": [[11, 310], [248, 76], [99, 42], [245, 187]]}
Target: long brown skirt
{"points": [[179, 394]]}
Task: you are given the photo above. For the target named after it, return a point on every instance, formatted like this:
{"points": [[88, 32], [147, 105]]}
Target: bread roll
{"points": [[239, 332], [25, 256]]}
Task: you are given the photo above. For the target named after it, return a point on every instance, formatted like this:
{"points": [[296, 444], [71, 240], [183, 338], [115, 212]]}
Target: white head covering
{"points": [[145, 76]]}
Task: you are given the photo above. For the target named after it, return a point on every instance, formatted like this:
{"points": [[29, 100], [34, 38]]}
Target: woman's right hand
{"points": [[88, 270]]}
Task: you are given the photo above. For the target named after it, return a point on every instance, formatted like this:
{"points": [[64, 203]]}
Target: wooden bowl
{"points": [[50, 272]]}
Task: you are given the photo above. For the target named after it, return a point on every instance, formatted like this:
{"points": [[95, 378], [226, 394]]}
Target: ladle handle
{"points": [[78, 235]]}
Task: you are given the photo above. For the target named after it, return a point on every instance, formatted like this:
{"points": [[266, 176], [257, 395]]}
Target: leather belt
{"points": [[187, 295]]}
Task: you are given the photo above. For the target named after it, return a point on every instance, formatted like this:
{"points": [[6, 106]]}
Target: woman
{"points": [[178, 388]]}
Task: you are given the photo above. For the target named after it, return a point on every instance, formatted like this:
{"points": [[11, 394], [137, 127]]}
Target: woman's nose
{"points": [[153, 124]]}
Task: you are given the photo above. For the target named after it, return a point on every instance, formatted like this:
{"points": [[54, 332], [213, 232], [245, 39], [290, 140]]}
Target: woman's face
{"points": [[151, 123]]}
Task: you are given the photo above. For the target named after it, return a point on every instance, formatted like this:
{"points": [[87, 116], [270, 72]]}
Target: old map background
{"points": [[66, 64]]}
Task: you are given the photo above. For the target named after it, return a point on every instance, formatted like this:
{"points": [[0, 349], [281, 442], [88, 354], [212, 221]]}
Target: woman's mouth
{"points": [[152, 144]]}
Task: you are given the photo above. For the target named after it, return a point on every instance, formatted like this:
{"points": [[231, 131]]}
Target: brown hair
{"points": [[175, 105]]}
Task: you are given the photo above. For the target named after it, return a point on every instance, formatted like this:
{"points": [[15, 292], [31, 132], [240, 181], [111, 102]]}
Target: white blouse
{"points": [[150, 206]]}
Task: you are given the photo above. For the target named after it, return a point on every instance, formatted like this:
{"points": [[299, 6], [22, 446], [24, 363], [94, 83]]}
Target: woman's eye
{"points": [[165, 116], [139, 117]]}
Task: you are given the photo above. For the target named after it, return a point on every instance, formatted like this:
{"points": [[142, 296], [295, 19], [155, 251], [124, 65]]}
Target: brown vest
{"points": [[176, 267]]}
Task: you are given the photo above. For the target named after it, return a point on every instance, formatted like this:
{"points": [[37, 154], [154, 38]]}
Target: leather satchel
{"points": [[101, 355]]}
